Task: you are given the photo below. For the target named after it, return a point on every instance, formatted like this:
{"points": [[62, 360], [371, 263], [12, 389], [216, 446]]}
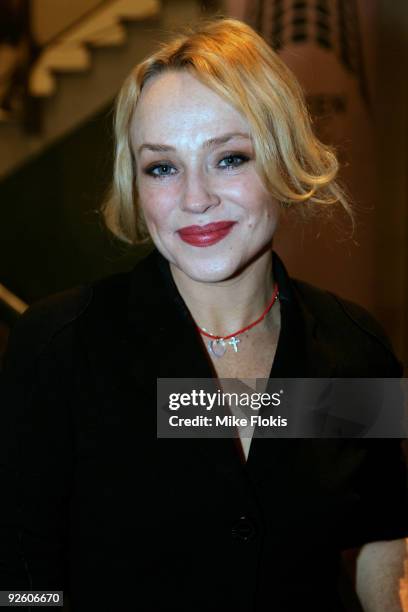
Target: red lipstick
{"points": [[205, 235]]}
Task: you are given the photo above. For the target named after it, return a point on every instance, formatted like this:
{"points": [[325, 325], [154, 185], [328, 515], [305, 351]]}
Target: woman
{"points": [[213, 140]]}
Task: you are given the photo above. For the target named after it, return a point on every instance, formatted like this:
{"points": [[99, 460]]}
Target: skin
{"points": [[381, 572], [228, 284]]}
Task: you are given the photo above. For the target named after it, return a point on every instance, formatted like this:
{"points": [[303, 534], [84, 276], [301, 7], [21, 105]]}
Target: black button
{"points": [[243, 529]]}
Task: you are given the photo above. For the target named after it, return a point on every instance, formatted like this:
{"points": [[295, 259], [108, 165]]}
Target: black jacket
{"points": [[94, 505]]}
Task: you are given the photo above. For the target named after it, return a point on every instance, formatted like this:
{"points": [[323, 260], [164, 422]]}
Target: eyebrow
{"points": [[211, 142]]}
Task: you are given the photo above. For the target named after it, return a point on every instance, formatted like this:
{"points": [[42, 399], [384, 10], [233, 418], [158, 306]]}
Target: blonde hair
{"points": [[234, 61]]}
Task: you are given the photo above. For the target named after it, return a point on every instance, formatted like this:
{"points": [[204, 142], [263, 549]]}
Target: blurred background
{"points": [[61, 65]]}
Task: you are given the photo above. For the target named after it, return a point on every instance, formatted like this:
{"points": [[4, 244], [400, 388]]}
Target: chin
{"points": [[209, 270]]}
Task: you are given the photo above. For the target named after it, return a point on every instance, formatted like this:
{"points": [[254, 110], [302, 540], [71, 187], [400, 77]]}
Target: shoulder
{"points": [[337, 313], [347, 324], [52, 320], [41, 323]]}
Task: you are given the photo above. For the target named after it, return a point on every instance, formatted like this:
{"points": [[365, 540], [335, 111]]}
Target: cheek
{"points": [[262, 207], [263, 214], [155, 201], [252, 195]]}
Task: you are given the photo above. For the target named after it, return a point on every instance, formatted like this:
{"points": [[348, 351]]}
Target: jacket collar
{"points": [[155, 337], [160, 321], [158, 316]]}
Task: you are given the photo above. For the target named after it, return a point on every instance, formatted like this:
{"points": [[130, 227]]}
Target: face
{"points": [[205, 205]]}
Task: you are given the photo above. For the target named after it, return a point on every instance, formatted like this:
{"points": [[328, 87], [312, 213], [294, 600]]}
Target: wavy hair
{"points": [[235, 62]]}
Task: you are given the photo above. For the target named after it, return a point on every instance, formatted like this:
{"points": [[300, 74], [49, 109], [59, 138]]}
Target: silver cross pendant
{"points": [[234, 342]]}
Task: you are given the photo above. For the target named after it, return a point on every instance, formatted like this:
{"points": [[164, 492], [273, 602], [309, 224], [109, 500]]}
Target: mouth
{"points": [[205, 235]]}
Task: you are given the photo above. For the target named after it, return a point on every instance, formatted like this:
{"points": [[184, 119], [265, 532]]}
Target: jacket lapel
{"points": [[161, 322], [301, 353], [155, 337]]}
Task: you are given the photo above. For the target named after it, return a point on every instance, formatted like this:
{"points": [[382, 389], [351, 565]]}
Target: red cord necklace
{"points": [[217, 345]]}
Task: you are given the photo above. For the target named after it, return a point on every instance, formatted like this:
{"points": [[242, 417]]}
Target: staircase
{"points": [[72, 51], [82, 69]]}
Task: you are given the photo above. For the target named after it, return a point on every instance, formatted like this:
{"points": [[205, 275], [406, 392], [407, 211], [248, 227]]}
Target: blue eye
{"points": [[160, 170], [233, 161], [163, 170]]}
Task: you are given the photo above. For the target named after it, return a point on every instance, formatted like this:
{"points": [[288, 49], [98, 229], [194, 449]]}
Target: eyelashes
{"points": [[165, 169], [160, 170], [238, 160]]}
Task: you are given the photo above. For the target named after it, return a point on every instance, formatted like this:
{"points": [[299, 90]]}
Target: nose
{"points": [[198, 193]]}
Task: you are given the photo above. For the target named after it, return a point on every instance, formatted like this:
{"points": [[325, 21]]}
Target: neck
{"points": [[226, 306]]}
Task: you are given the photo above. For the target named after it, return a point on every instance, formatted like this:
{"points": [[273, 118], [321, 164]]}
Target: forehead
{"points": [[176, 103]]}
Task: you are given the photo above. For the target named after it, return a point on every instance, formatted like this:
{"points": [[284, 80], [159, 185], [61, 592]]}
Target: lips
{"points": [[206, 235]]}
